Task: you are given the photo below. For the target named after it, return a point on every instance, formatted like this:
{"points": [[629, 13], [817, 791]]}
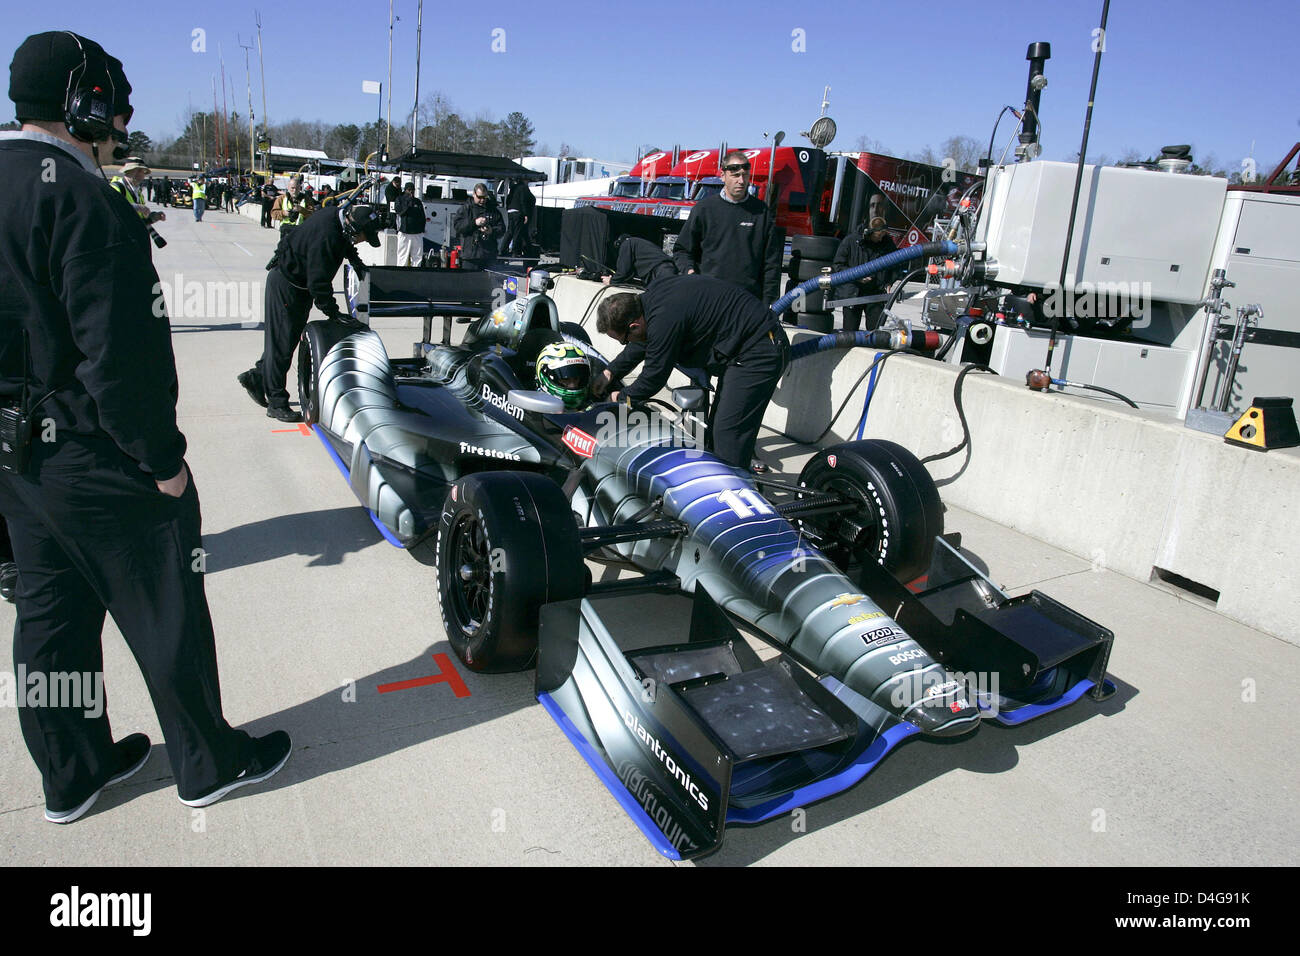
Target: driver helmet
{"points": [[564, 370]]}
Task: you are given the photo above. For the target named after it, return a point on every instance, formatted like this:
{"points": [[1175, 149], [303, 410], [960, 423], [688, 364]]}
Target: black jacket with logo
{"points": [[77, 275], [733, 241]]}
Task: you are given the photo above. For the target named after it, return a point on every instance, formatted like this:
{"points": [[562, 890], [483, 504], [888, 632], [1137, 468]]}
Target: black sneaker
{"points": [[270, 753], [283, 413], [759, 467], [133, 753], [8, 580], [252, 383]]}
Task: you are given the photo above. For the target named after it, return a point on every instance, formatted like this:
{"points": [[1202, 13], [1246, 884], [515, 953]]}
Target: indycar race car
{"points": [[655, 677]]}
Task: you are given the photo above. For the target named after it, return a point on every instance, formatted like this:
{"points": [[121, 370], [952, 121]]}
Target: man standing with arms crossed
{"points": [[104, 517]]}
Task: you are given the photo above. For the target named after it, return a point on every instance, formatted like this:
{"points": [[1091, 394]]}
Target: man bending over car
{"points": [[702, 322]]}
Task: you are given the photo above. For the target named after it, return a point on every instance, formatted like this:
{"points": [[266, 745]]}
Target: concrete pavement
{"points": [[1190, 763]]}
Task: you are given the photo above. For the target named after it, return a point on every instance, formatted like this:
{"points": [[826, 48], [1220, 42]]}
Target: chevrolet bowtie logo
{"points": [[846, 600]]}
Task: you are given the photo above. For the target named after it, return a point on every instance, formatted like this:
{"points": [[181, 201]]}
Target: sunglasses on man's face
{"points": [[737, 168]]}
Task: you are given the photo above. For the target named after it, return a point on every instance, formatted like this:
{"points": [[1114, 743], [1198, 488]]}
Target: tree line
{"points": [[211, 140], [966, 152]]}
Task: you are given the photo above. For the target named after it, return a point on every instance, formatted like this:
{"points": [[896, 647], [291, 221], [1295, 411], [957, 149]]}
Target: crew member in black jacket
{"points": [[105, 516], [731, 236], [854, 250], [702, 322], [411, 220], [639, 260], [521, 208], [478, 226], [302, 272]]}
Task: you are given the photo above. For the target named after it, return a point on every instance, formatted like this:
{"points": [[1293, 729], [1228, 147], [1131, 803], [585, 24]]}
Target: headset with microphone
{"points": [[88, 110]]}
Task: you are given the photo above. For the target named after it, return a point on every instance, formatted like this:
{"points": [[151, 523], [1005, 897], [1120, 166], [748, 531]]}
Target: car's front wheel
{"points": [[507, 544], [899, 513]]}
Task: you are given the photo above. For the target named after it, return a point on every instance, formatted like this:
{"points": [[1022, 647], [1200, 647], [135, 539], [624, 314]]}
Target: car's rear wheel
{"points": [[507, 544], [900, 513]]}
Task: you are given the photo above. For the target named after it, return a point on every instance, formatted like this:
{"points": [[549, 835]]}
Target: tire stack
{"points": [[809, 255]]}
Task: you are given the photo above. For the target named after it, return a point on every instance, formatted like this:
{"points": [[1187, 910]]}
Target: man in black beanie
{"points": [[101, 509]]}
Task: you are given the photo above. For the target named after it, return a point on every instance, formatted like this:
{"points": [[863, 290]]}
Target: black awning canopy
{"points": [[432, 162]]}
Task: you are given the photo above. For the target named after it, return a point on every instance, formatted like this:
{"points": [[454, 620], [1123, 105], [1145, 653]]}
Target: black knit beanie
{"points": [[50, 66]]}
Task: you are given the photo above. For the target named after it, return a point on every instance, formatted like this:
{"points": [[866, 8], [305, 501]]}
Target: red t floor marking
{"points": [[447, 674], [303, 429]]}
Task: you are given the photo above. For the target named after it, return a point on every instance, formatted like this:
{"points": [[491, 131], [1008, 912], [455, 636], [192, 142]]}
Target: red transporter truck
{"points": [[802, 187], [906, 194], [628, 192], [814, 193]]}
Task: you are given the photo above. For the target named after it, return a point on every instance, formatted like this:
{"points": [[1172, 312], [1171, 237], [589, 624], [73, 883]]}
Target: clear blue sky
{"points": [[612, 76]]}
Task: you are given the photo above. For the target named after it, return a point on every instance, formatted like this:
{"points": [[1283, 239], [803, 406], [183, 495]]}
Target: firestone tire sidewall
{"points": [[899, 493], [534, 554]]}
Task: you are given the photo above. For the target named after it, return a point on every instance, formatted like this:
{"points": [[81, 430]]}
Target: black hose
{"points": [[1096, 388], [961, 413], [1078, 182], [879, 360]]}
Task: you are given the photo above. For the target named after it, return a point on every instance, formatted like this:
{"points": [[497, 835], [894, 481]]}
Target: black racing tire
{"points": [[901, 510], [317, 339], [815, 247], [507, 544], [577, 331], [811, 268], [813, 302]]}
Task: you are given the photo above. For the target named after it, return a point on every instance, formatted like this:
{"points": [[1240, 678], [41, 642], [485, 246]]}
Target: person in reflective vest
{"points": [[199, 193], [127, 183]]}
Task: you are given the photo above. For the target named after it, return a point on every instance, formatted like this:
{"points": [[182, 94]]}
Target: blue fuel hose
{"points": [[923, 251]]}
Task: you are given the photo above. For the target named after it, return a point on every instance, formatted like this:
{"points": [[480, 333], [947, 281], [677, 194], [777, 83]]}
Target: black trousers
{"points": [[743, 391], [92, 534], [285, 316], [266, 211], [515, 242]]}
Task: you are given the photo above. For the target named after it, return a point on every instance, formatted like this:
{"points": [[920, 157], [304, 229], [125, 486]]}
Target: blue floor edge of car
{"points": [[839, 782], [1028, 712], [606, 776], [388, 535]]}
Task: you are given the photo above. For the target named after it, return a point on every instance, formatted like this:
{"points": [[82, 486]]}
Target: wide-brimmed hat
{"points": [[133, 163]]}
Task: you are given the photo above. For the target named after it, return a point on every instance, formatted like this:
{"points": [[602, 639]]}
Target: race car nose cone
{"points": [[946, 718]]}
